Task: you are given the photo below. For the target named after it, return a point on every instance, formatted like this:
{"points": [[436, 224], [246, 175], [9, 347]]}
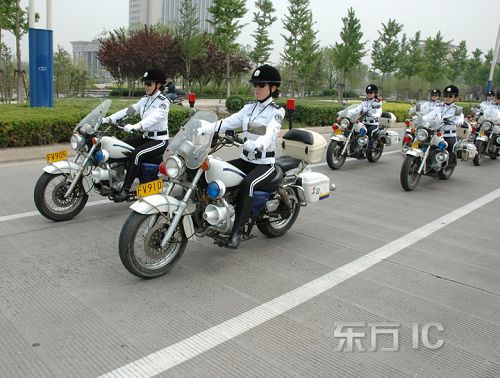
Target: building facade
{"points": [[166, 12], [85, 53]]}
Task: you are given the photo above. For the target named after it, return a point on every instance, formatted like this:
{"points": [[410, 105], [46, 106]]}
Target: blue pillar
{"points": [[41, 68]]}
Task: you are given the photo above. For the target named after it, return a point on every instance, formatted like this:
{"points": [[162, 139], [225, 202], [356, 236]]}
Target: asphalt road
{"points": [[373, 265]]}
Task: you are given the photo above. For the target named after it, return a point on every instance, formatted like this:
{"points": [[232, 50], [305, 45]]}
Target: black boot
{"points": [[122, 195], [243, 208]]}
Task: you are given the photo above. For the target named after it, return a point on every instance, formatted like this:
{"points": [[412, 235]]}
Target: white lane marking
{"points": [[173, 355], [34, 213]]}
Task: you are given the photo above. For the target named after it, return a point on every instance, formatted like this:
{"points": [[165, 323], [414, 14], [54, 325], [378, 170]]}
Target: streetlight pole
{"points": [[489, 86]]}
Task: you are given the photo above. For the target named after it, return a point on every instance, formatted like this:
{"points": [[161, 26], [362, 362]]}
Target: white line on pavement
{"points": [[33, 213], [173, 355]]}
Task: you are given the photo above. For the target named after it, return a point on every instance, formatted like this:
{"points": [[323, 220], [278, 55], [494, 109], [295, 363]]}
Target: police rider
{"points": [[451, 115], [259, 150], [490, 100], [429, 106], [153, 109], [371, 107], [170, 91]]}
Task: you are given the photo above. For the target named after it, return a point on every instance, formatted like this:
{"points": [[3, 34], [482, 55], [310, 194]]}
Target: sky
{"points": [[76, 20]]}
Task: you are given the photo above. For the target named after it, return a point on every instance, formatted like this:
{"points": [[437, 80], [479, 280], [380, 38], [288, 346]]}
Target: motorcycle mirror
{"points": [[130, 111], [257, 128], [192, 112]]}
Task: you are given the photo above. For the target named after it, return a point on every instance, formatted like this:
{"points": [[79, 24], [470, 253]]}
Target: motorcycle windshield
{"points": [[349, 112], [94, 118], [193, 140]]}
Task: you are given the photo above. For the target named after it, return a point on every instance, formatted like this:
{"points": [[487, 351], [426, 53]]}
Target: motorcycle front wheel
{"points": [[409, 176], [374, 153], [49, 197], [334, 157], [278, 226], [139, 245]]}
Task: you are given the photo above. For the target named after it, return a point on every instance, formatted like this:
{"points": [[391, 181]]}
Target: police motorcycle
{"points": [[427, 155], [487, 136], [156, 233], [100, 163], [350, 139]]}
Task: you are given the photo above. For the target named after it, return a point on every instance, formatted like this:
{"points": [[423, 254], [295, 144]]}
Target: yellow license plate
{"points": [[415, 145], [56, 156], [338, 132], [149, 188], [481, 133]]}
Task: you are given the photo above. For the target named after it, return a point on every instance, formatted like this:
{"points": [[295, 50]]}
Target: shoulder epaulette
{"points": [[162, 97], [276, 105]]}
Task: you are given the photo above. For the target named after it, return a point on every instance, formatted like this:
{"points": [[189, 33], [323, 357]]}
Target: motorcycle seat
{"points": [[287, 162], [386, 115]]}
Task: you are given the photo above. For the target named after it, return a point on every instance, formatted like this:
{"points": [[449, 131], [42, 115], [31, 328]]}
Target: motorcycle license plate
{"points": [[415, 145], [149, 188], [56, 156]]}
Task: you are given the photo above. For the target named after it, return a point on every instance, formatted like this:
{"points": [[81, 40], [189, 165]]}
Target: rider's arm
{"points": [[272, 129], [459, 119], [122, 113], [357, 109], [232, 122], [158, 115]]}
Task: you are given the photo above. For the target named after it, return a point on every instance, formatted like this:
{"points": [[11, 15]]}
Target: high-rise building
{"points": [[166, 12], [85, 52]]}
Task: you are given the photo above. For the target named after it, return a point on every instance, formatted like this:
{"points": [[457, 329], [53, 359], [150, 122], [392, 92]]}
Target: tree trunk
{"points": [[228, 79], [18, 53], [342, 84]]}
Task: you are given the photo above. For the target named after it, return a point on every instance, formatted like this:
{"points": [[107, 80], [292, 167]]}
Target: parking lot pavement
{"points": [[372, 258]]}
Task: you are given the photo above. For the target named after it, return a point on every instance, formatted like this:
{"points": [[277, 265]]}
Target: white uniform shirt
{"points": [[486, 104], [374, 109], [154, 114], [267, 113], [447, 114], [429, 106]]}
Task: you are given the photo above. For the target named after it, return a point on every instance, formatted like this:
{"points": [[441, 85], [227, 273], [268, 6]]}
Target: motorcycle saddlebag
{"points": [[316, 186], [303, 144]]}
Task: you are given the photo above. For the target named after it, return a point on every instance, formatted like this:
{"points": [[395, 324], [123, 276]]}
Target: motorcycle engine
{"points": [[220, 215]]}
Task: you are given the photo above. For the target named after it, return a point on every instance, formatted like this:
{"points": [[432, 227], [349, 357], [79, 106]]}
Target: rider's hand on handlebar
{"points": [[108, 120], [130, 128]]}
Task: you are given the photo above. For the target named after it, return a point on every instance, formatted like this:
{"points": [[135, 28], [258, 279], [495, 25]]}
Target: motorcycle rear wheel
{"points": [[278, 226], [479, 158], [409, 177], [334, 157], [49, 197], [139, 245]]}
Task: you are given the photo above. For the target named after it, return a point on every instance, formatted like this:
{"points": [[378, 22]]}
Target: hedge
{"points": [[22, 126]]}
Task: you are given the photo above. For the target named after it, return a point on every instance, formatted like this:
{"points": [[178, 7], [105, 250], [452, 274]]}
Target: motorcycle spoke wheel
{"points": [[277, 225]]}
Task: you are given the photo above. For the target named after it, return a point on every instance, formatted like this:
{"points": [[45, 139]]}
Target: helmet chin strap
{"points": [[269, 95]]}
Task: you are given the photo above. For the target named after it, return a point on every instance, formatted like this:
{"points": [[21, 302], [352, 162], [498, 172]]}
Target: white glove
{"points": [[129, 128], [249, 145]]}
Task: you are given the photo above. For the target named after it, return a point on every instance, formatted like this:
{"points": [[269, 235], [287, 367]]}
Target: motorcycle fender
{"points": [[69, 168], [338, 138], [165, 204], [482, 138], [417, 153]]}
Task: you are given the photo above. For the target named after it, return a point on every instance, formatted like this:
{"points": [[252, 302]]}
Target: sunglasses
{"points": [[370, 92], [449, 95], [149, 83], [260, 85]]}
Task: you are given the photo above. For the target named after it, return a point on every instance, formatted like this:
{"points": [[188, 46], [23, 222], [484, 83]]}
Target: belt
{"points": [[258, 154], [152, 134]]}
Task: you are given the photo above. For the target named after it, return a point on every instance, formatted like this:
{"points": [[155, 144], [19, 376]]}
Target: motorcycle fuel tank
{"points": [[223, 171], [116, 148]]}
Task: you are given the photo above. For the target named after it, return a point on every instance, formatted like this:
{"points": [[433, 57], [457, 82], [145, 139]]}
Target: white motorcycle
{"points": [[100, 163], [487, 137], [156, 233]]}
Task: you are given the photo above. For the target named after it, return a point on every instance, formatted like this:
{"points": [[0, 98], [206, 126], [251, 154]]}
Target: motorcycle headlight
{"points": [[441, 157], [344, 123], [102, 156], [216, 189], [77, 141], [422, 135], [175, 167], [486, 126], [498, 140], [362, 140]]}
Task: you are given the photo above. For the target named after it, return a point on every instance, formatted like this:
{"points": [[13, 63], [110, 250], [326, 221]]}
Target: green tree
{"points": [[473, 72], [187, 33], [6, 73], [62, 70], [386, 49], [299, 41], [435, 58], [225, 21], [263, 18], [457, 62], [412, 60], [348, 54]]}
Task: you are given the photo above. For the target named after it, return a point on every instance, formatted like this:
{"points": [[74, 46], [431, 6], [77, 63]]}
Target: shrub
{"points": [[21, 125], [234, 103]]}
